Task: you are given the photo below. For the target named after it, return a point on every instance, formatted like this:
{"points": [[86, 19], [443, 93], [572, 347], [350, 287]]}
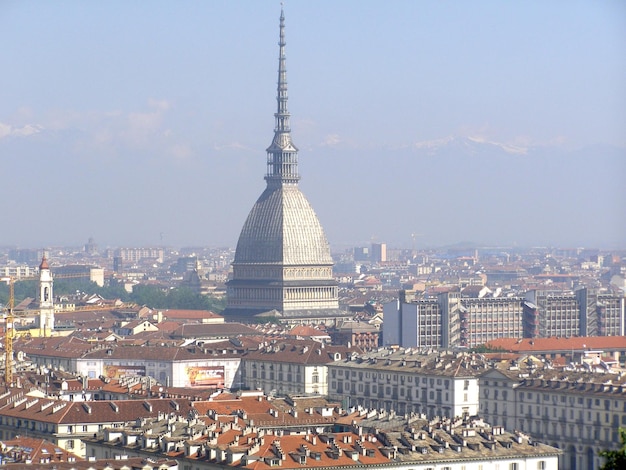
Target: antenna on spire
{"points": [[282, 155]]}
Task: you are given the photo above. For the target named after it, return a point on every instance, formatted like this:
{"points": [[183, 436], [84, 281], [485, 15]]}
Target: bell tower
{"points": [[45, 299]]}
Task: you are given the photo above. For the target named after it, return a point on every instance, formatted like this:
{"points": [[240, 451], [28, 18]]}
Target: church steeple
{"points": [[282, 155], [45, 298]]}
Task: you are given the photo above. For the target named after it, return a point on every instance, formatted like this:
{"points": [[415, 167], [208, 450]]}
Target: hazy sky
{"points": [[144, 123]]}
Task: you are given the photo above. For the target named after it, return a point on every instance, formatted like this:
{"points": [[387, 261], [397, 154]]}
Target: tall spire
{"points": [[282, 155]]}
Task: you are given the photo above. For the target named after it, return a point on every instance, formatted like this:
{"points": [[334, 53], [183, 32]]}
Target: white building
{"points": [[209, 365], [578, 411], [298, 367], [407, 381]]}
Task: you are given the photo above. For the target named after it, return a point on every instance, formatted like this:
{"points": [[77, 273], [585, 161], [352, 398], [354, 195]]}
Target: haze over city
{"points": [[417, 122]]}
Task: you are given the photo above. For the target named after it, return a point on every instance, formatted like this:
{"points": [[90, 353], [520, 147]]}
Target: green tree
{"points": [[21, 290], [151, 296], [615, 459], [483, 348]]}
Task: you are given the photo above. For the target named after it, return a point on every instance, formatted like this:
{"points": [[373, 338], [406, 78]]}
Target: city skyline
{"points": [[418, 123]]}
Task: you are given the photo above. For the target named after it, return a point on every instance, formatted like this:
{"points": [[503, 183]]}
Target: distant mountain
{"points": [[468, 145]]}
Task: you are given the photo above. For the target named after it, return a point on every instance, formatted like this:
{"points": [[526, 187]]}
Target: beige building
{"points": [[201, 364], [577, 410], [441, 384], [297, 367], [66, 423], [319, 437]]}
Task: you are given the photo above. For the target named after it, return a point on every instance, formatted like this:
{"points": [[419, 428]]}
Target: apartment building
{"points": [[372, 440], [578, 409], [65, 423], [406, 381], [133, 255], [17, 271], [28, 452], [206, 364], [298, 367]]}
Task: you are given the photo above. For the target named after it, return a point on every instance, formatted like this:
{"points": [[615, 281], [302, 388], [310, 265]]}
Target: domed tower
{"points": [[282, 262]]}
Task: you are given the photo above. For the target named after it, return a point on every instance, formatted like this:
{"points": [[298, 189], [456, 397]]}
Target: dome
{"points": [[283, 228]]}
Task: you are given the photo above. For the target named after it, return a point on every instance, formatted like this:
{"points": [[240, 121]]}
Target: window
{"points": [[541, 465], [514, 466]]}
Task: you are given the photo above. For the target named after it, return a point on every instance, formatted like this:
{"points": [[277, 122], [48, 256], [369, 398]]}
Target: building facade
{"points": [[196, 365], [451, 321], [291, 367], [440, 384], [282, 262], [578, 411], [585, 312]]}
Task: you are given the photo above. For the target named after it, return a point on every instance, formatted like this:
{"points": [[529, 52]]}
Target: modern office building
{"points": [[133, 255], [379, 252], [282, 262], [586, 312], [451, 321]]}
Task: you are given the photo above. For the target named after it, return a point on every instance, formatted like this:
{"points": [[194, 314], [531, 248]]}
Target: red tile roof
{"points": [[559, 344]]}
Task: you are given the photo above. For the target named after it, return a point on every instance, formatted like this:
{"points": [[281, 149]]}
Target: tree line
{"points": [[148, 295]]}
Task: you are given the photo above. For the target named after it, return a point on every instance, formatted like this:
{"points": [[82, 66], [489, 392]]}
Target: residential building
{"points": [[65, 423], [134, 255], [367, 440], [26, 450], [362, 334], [440, 383], [575, 409], [198, 364], [296, 367]]}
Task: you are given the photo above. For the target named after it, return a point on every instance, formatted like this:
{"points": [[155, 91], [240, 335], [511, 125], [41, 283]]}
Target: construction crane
{"points": [[8, 343], [10, 333]]}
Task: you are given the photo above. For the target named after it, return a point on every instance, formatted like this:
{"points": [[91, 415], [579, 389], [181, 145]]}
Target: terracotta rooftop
{"points": [[22, 449], [559, 344]]}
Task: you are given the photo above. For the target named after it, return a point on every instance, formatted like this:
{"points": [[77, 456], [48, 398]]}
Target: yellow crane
{"points": [[10, 321], [8, 335]]}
